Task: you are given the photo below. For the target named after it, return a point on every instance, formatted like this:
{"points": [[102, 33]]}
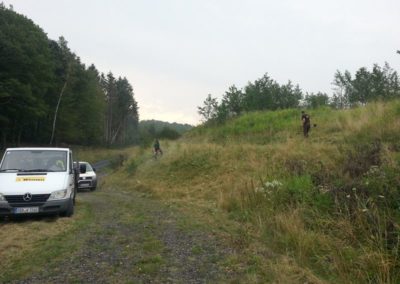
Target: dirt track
{"points": [[134, 239]]}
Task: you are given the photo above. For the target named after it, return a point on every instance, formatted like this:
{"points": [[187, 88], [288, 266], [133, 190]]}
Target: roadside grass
{"points": [[316, 210], [28, 245]]}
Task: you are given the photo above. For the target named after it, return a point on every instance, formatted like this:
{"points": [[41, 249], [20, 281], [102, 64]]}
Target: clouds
{"points": [[179, 51]]}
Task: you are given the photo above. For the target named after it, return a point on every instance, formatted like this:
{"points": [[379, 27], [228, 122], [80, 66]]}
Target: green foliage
{"points": [[121, 113], [316, 100], [82, 104], [38, 74], [382, 83], [152, 129], [361, 158], [299, 189], [155, 126], [263, 94], [132, 166], [267, 94], [26, 76], [381, 184], [168, 133], [293, 191], [234, 101], [209, 109]]}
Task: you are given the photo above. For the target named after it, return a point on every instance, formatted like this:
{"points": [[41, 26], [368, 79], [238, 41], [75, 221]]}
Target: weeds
{"points": [[327, 207]]}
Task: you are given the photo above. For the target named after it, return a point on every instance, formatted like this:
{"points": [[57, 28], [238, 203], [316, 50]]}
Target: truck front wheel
{"points": [[70, 209]]}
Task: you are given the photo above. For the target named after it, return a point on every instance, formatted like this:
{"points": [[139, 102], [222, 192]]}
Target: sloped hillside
{"points": [[318, 209]]}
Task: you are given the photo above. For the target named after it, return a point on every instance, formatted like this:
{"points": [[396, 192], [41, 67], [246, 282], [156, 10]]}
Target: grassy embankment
{"points": [[322, 209]]}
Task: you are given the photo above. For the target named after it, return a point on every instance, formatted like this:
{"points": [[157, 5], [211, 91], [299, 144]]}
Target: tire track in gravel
{"points": [[135, 239]]}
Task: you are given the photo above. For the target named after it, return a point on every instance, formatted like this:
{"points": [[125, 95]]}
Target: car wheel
{"points": [[70, 210]]}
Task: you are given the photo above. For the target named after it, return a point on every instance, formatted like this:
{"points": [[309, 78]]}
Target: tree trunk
{"points": [[57, 107], [116, 133]]}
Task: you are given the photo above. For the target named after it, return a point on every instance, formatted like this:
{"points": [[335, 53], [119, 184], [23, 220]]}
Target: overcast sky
{"points": [[175, 52]]}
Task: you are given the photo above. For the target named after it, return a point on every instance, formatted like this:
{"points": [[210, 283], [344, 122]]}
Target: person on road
{"points": [[157, 148], [305, 118]]}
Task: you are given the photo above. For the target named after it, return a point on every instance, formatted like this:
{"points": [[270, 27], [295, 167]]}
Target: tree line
{"points": [[381, 83], [48, 96], [155, 129]]}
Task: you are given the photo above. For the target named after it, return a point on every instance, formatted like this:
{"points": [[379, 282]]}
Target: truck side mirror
{"points": [[82, 168]]}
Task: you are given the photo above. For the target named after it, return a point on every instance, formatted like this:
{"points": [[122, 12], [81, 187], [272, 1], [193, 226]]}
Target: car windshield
{"points": [[34, 161], [88, 167]]}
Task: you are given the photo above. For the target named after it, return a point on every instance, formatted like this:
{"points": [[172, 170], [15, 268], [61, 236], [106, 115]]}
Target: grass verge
{"points": [[30, 245]]}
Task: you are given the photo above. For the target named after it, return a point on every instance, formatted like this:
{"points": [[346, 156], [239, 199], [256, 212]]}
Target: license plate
{"points": [[26, 210], [84, 184]]}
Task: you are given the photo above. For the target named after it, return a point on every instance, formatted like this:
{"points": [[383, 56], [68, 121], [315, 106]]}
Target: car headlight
{"points": [[2, 198], [59, 194]]}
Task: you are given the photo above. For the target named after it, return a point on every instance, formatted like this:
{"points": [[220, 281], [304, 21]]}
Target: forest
{"points": [[49, 97]]}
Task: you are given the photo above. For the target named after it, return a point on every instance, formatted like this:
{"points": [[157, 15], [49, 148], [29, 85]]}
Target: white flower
{"points": [[272, 184]]}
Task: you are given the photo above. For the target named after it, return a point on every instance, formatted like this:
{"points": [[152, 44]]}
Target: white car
{"points": [[87, 176], [37, 181]]}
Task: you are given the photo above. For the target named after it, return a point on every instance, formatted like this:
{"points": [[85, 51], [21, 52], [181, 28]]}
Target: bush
{"points": [[131, 167], [359, 160]]}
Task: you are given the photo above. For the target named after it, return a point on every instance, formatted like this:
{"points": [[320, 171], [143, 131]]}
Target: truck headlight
{"points": [[59, 194], [2, 198]]}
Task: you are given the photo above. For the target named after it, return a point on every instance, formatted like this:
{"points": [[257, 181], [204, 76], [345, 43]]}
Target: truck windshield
{"points": [[34, 161]]}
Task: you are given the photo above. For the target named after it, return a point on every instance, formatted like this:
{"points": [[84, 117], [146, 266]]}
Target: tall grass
{"points": [[327, 205]]}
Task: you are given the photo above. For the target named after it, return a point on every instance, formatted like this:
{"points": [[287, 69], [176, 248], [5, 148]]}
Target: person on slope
{"points": [[305, 118], [157, 148]]}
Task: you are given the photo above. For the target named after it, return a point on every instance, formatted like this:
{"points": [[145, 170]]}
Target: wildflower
{"points": [[364, 210], [348, 195], [354, 189], [272, 184], [381, 196]]}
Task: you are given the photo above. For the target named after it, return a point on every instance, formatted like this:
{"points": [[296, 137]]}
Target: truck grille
{"points": [[85, 178], [36, 198]]}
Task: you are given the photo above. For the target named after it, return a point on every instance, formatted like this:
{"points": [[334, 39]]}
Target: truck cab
{"points": [[37, 181]]}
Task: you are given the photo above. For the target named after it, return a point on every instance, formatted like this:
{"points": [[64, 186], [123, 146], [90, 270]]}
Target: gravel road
{"points": [[136, 239]]}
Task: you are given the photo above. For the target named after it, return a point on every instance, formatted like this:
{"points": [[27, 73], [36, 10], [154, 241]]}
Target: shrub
{"points": [[359, 160], [131, 167]]}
